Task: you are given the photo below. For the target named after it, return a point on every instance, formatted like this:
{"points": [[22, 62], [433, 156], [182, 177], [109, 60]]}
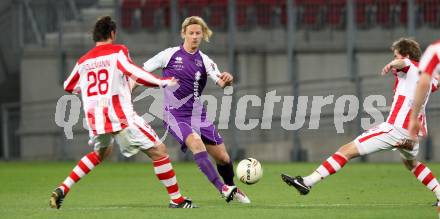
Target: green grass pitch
{"points": [[131, 190]]}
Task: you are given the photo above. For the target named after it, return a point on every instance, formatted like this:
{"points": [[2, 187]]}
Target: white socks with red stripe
{"points": [[164, 171], [84, 166], [424, 175], [328, 167]]}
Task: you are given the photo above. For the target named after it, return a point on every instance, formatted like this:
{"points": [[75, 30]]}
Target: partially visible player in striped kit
{"points": [[392, 134], [102, 76], [429, 68]]}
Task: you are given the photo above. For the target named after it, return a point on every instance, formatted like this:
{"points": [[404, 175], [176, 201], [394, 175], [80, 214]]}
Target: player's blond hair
{"points": [[207, 33]]}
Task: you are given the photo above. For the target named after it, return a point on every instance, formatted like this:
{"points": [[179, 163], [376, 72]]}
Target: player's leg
{"points": [[424, 175], [102, 149], [223, 161], [333, 164], [197, 147], [181, 130], [226, 169], [141, 137], [420, 170], [371, 141], [165, 173], [329, 167]]}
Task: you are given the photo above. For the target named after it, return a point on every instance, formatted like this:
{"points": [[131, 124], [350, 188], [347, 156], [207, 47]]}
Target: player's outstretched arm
{"points": [[141, 76], [71, 84], [396, 63], [419, 98]]}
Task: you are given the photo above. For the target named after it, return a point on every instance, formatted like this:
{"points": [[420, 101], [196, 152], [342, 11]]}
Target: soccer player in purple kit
{"points": [[185, 115]]}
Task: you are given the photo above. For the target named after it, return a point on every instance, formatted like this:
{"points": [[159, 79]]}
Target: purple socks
{"points": [[207, 168]]}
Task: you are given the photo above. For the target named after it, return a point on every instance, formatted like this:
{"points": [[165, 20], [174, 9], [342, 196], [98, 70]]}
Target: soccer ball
{"points": [[249, 171]]}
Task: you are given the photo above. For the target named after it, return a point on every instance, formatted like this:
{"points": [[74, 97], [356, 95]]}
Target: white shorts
{"points": [[131, 140], [385, 137]]}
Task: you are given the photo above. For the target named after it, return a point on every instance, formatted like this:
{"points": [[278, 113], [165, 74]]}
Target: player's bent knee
{"points": [[156, 152], [195, 143], [104, 153], [221, 159], [161, 148], [349, 150]]}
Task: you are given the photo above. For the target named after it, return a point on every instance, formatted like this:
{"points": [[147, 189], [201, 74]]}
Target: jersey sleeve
{"points": [[429, 62], [434, 82], [406, 67], [160, 60], [211, 68], [71, 84], [136, 73]]}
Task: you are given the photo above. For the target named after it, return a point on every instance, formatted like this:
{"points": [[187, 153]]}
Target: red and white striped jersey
{"points": [[429, 62], [101, 76], [404, 89]]}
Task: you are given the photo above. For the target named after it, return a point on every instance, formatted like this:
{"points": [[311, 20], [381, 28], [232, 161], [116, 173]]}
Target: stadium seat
{"points": [[156, 14], [245, 14], [194, 8], [312, 13], [366, 11], [389, 13], [336, 13], [127, 12], [430, 10], [403, 17], [218, 14], [270, 13]]}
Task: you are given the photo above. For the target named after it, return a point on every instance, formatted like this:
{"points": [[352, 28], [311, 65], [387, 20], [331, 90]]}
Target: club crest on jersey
{"points": [[198, 62]]}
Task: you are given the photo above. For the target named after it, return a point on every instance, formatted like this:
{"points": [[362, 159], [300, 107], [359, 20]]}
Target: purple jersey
{"points": [[192, 71], [184, 113]]}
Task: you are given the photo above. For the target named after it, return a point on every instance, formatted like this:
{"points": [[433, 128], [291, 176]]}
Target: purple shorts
{"points": [[182, 126]]}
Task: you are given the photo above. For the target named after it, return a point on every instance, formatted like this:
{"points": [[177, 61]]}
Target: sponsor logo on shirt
{"points": [[179, 60], [178, 63], [196, 85]]}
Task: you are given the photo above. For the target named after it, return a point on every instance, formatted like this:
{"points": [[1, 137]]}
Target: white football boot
{"points": [[241, 197]]}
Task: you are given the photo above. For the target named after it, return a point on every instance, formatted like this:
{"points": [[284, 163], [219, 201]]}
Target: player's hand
{"points": [[227, 78], [413, 128], [386, 69], [170, 82], [132, 84]]}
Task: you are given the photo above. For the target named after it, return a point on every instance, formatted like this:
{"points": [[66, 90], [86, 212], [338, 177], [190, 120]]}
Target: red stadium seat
{"points": [[127, 9], [366, 11], [194, 8], [311, 13], [156, 14], [244, 10], [219, 14], [270, 13], [403, 18], [336, 13], [430, 10], [389, 13]]}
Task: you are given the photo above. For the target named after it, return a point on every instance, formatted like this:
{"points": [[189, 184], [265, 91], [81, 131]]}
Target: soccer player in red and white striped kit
{"points": [[103, 78], [429, 68], [392, 134]]}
